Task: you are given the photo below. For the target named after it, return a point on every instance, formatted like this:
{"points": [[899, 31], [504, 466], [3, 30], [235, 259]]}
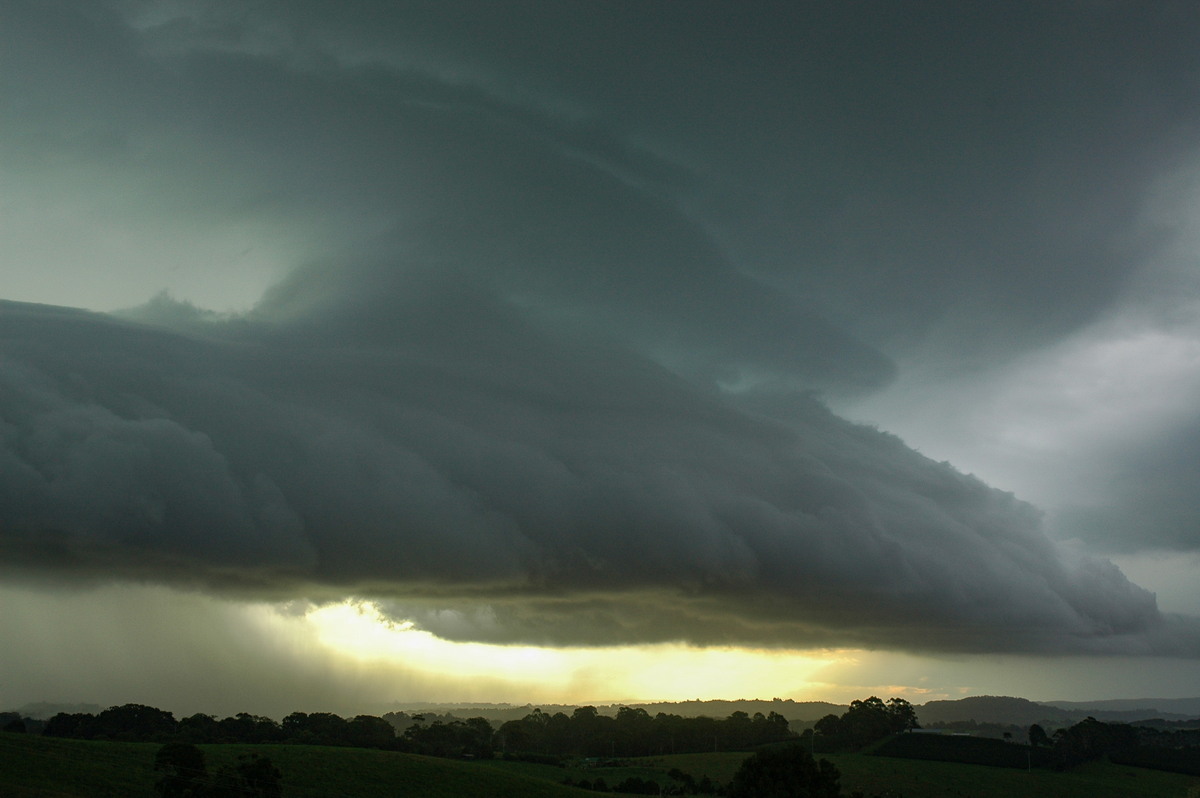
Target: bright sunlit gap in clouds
{"points": [[346, 657], [674, 672]]}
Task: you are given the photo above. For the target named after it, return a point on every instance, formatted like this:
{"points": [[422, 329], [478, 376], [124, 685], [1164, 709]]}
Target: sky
{"points": [[364, 353]]}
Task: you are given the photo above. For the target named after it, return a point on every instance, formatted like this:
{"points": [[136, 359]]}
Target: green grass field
{"points": [[37, 767], [877, 775], [52, 768], [917, 779]]}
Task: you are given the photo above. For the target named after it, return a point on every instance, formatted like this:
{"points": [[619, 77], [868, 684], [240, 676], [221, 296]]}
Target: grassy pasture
{"points": [[922, 779], [911, 778], [37, 767]]}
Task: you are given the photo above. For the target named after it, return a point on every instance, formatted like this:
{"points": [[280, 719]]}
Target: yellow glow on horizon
{"points": [[665, 671]]}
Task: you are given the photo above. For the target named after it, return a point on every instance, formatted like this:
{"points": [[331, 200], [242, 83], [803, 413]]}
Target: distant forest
{"points": [[584, 733], [633, 732]]}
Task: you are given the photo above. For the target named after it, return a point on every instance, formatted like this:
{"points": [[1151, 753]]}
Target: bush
{"points": [[785, 772]]}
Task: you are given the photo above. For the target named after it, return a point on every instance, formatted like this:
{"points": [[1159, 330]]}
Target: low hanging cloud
{"points": [[495, 479]]}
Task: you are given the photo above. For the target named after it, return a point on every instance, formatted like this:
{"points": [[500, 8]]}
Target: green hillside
{"points": [[878, 775], [56, 768], [883, 776], [919, 779], [39, 767]]}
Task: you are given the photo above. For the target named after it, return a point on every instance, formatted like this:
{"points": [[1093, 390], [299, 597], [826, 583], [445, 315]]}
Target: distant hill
{"points": [[42, 710], [1135, 708], [792, 710], [799, 712], [991, 709], [1007, 710], [1022, 712]]}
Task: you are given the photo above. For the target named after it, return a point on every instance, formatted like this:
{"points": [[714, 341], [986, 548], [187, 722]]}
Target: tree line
{"points": [[634, 732], [584, 733], [140, 723], [864, 722], [1087, 740]]}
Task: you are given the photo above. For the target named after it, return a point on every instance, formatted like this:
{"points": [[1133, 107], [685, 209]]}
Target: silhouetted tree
{"points": [[829, 731], [901, 715], [1038, 736], [246, 728], [632, 731], [785, 772], [770, 729], [864, 722], [318, 728], [184, 773], [368, 731], [198, 728], [76, 725], [1090, 739], [135, 722], [253, 777], [472, 737]]}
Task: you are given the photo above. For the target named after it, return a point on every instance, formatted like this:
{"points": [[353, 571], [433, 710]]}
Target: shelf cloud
{"points": [[495, 475]]}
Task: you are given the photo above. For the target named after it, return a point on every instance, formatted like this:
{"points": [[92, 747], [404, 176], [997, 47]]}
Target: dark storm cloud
{"points": [[548, 375], [969, 171], [556, 214], [500, 480], [967, 174]]}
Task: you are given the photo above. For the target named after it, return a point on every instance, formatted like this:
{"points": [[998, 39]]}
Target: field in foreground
{"points": [[910, 778], [53, 768]]}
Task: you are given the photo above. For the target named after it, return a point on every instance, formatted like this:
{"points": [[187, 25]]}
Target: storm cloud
{"points": [[499, 480], [533, 351]]}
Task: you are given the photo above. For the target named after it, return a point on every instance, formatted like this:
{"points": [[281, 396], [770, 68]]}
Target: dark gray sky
{"points": [[558, 324]]}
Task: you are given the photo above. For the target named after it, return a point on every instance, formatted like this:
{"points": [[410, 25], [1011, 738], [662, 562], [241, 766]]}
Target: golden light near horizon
{"points": [[671, 672]]}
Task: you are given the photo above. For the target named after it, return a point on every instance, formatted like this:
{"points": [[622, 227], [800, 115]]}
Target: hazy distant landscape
{"points": [[728, 748], [987, 709]]}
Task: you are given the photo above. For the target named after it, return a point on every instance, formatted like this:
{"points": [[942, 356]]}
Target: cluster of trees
{"points": [[785, 772], [129, 722], [863, 723], [584, 733], [185, 775], [681, 784], [633, 732], [1087, 740], [136, 722], [471, 738], [17, 723]]}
